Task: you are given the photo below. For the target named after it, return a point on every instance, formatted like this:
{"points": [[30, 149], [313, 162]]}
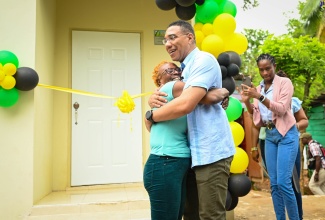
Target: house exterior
{"points": [[35, 144]]}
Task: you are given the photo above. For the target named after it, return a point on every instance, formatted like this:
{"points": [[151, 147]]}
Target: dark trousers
{"points": [[164, 179]]}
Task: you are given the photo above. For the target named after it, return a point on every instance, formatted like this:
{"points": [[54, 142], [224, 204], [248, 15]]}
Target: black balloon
{"points": [[239, 185], [166, 4], [26, 79], [199, 2], [224, 59], [234, 58], [232, 69], [234, 202], [228, 200], [185, 13], [223, 71], [229, 84], [185, 3]]}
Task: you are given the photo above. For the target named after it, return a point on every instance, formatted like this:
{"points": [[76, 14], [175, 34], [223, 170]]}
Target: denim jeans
{"points": [[164, 179], [298, 167], [280, 154]]}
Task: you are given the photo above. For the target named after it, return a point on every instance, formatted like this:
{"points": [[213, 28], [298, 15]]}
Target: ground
{"points": [[258, 203]]}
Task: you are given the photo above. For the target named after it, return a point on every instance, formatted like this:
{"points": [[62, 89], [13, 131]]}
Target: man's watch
{"points": [[149, 115]]}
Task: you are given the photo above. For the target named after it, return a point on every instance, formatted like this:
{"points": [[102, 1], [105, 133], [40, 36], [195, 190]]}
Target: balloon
{"points": [[238, 133], [199, 36], [125, 103], [240, 161], [207, 12], [185, 13], [207, 29], [229, 83], [232, 69], [224, 25], [8, 57], [234, 109], [2, 74], [198, 26], [185, 3], [224, 59], [223, 71], [234, 203], [166, 4], [8, 82], [9, 69], [213, 44], [230, 8], [236, 42], [199, 2], [239, 185], [26, 79], [234, 58], [8, 97]]}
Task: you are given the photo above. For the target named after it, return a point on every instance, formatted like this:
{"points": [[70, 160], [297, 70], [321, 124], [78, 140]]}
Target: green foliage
{"points": [[250, 4], [303, 60]]}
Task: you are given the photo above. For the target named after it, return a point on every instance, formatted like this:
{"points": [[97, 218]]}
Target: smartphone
{"points": [[247, 81]]}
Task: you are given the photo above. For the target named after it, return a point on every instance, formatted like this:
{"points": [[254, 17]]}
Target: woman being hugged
{"points": [[272, 109]]}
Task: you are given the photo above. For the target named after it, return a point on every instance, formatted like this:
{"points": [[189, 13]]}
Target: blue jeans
{"points": [[164, 178], [298, 167], [280, 154]]}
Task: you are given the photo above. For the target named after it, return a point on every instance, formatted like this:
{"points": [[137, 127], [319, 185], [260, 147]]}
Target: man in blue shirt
{"points": [[209, 133]]}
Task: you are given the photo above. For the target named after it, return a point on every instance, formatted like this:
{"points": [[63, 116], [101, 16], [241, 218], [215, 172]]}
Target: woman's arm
{"points": [[215, 96], [301, 119]]}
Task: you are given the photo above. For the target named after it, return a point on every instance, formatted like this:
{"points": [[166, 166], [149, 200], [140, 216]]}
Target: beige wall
{"points": [[45, 35], [141, 16], [17, 22]]}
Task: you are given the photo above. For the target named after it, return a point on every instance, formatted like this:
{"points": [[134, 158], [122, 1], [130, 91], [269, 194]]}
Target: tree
{"points": [[313, 13], [303, 60]]}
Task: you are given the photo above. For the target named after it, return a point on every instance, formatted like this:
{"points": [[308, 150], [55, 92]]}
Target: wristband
{"points": [[253, 149]]}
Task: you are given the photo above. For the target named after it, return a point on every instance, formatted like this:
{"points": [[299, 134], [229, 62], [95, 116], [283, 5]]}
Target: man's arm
{"points": [[180, 106], [214, 96]]}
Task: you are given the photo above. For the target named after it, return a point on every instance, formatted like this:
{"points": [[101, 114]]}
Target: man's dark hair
{"points": [[185, 26]]}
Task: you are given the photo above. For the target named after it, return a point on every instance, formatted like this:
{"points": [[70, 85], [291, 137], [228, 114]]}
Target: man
{"points": [[209, 133], [317, 180]]}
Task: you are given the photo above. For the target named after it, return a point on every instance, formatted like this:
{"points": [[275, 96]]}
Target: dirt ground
{"points": [[257, 204]]}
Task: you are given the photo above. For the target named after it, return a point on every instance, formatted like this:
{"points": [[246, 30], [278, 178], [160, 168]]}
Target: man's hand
{"points": [[157, 99]]}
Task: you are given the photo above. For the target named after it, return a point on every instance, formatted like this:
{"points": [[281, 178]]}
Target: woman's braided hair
{"points": [[266, 56]]}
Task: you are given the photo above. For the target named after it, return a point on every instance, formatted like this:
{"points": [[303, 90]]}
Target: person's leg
{"points": [[281, 153], [297, 184], [317, 187], [164, 179], [262, 148], [191, 210], [212, 185]]}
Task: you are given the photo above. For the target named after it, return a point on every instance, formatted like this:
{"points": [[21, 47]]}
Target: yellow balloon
{"points": [[237, 42], [2, 74], [125, 103], [198, 26], [207, 29], [9, 69], [224, 24], [8, 82], [199, 36], [237, 131], [240, 161], [213, 44]]}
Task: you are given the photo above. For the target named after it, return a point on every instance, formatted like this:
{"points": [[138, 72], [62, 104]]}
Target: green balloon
{"points": [[8, 57], [234, 109], [230, 8], [207, 12], [8, 97]]}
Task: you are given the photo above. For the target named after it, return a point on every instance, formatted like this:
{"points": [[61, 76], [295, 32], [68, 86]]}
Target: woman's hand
{"points": [[255, 155], [157, 99]]}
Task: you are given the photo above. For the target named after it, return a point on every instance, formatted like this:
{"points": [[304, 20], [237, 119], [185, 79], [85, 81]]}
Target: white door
{"points": [[106, 143]]}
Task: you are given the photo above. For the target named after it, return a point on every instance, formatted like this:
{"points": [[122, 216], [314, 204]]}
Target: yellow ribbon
{"points": [[125, 102]]}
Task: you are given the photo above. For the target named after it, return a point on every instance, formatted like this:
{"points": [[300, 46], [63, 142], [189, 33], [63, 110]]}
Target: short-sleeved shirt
{"points": [[209, 132], [315, 150], [169, 138]]}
